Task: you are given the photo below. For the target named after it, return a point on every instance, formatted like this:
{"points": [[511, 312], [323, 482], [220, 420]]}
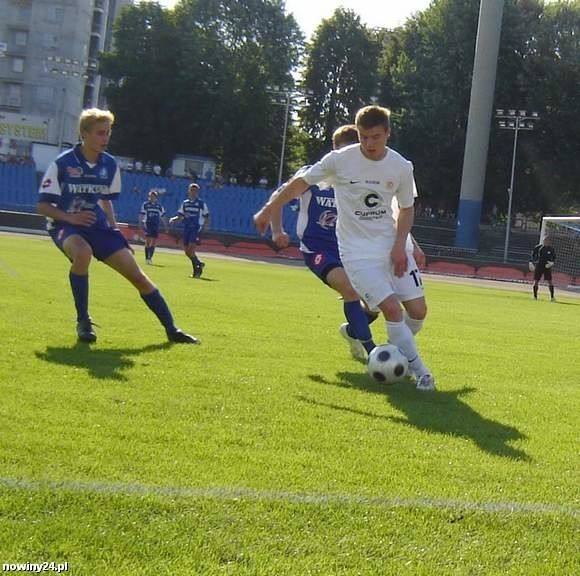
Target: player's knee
{"points": [[81, 256], [418, 311], [391, 309]]}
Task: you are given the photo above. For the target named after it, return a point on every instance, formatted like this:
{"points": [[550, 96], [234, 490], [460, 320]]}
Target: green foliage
{"points": [[341, 71], [267, 450], [206, 83], [425, 76]]}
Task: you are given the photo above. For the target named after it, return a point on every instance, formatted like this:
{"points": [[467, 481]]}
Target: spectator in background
{"points": [[263, 182]]}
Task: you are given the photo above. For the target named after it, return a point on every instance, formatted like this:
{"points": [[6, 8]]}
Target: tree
{"points": [[201, 70], [341, 71]]}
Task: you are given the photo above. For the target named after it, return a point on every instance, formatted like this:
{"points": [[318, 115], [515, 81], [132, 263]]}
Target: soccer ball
{"points": [[387, 364]]}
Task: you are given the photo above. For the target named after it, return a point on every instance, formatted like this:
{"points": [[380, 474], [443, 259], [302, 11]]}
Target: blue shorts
{"points": [[322, 262], [191, 236], [103, 241], [152, 230]]}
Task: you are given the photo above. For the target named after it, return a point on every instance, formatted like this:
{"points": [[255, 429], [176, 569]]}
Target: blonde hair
{"points": [[372, 116], [92, 116]]}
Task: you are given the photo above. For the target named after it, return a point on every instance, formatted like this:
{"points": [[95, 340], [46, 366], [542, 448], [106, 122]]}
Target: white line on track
{"points": [[250, 494]]}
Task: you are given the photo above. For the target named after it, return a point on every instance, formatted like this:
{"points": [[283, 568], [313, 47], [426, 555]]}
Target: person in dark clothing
{"points": [[541, 263]]}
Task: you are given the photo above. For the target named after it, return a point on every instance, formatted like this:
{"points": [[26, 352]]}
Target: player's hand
{"points": [[531, 267], [281, 239], [83, 218], [420, 257], [549, 264], [262, 219], [399, 260]]}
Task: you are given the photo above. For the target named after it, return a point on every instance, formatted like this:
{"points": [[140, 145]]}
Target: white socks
{"points": [[413, 324], [401, 335]]}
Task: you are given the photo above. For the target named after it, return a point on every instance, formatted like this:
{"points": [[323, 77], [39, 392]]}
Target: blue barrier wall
{"points": [[231, 207]]}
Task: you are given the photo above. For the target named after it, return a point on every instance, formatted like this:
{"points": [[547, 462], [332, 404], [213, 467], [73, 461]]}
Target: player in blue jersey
{"points": [[76, 196], [151, 214], [194, 214]]}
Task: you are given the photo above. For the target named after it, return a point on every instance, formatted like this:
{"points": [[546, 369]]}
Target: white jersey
{"points": [[364, 190]]}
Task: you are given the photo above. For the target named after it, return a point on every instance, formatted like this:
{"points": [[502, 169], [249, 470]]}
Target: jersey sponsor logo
{"points": [[88, 188], [46, 183], [326, 202], [327, 219], [372, 182], [354, 181], [372, 200], [74, 171]]}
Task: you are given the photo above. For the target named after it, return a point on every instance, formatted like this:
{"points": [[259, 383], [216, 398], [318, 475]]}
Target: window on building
{"points": [[17, 64], [49, 40], [14, 95], [45, 96], [55, 14], [20, 38]]}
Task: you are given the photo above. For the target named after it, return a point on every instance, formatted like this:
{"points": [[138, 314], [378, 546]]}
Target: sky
{"points": [[373, 13]]}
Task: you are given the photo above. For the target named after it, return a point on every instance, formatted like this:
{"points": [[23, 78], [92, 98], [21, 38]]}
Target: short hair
{"points": [[92, 116], [193, 186], [372, 116], [345, 135], [154, 192]]}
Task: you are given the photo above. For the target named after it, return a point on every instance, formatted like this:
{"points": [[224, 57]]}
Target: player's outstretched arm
{"points": [[293, 189]]}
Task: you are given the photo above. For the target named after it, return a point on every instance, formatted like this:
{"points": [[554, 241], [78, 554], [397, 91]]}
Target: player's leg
{"points": [[124, 263], [80, 253], [374, 282], [409, 290], [537, 276], [548, 278], [357, 326], [401, 335], [189, 240], [148, 246]]}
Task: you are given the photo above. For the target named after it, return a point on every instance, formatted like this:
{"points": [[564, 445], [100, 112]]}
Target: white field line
{"points": [[251, 494]]}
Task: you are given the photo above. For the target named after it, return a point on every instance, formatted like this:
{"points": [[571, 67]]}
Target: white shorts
{"points": [[375, 281]]}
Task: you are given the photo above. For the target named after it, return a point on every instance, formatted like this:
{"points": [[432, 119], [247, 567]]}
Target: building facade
{"points": [[49, 53]]}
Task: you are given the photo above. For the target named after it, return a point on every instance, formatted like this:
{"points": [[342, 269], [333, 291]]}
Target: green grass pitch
{"points": [[267, 450]]}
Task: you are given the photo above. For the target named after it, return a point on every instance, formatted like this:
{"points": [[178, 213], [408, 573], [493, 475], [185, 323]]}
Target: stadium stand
{"points": [[232, 230]]}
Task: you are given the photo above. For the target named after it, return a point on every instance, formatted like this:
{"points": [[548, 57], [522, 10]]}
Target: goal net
{"points": [[564, 232]]}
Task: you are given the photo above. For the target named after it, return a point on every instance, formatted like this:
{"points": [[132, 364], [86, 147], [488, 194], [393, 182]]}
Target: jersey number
{"points": [[416, 277]]}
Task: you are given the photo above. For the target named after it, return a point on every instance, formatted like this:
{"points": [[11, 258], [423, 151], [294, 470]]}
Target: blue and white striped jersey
{"points": [[194, 212], [72, 184], [151, 212]]}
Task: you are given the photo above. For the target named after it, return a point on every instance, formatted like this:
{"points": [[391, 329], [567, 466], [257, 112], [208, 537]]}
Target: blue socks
{"points": [[358, 325], [158, 306], [80, 290]]}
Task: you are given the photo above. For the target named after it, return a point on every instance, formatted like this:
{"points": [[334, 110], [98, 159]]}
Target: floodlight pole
{"points": [[516, 121], [291, 98]]}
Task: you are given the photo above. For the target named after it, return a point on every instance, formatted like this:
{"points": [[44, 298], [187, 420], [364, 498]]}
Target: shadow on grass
{"points": [[100, 363], [441, 412]]}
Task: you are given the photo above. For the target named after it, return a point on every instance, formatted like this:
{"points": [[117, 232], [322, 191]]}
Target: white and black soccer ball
{"points": [[387, 364]]}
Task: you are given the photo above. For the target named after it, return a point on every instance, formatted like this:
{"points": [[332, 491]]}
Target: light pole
{"points": [[515, 120], [290, 100]]}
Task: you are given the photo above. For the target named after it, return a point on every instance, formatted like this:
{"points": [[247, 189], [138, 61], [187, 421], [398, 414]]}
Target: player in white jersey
{"points": [[366, 177]]}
